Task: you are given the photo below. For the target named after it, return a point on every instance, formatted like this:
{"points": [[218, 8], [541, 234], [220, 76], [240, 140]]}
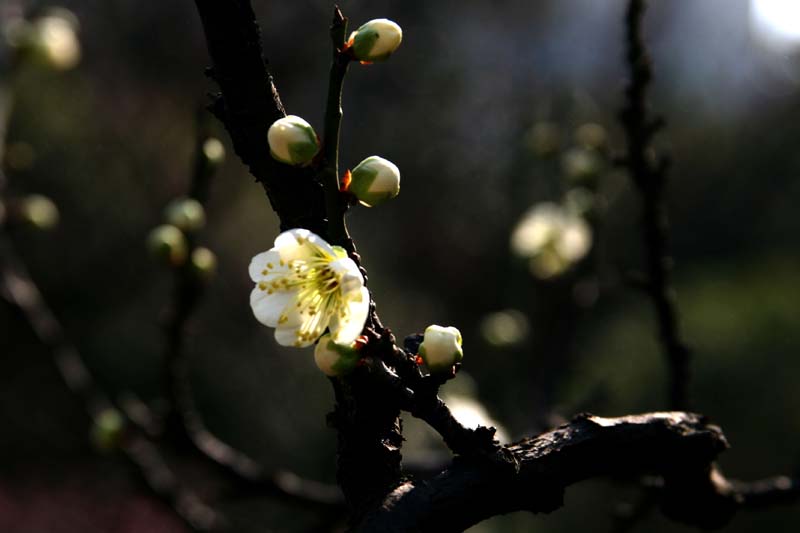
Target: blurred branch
{"points": [[20, 291], [778, 490], [649, 174], [184, 418]]}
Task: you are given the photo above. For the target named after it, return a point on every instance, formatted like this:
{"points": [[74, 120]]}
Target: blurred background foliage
{"points": [[479, 108]]}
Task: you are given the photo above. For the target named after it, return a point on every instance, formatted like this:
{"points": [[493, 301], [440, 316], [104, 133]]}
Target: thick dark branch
{"points": [[678, 446], [649, 175], [249, 104]]}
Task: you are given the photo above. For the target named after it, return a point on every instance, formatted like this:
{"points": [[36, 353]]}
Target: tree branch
{"points": [[248, 105], [649, 174], [678, 446], [337, 229]]}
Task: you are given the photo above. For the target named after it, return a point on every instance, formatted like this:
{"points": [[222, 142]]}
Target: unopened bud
{"points": [[441, 347], [591, 135], [55, 40], [581, 164], [214, 151], [168, 244], [39, 211], [292, 140], [376, 40], [186, 214], [543, 139], [334, 359], [374, 181], [107, 429], [204, 262]]}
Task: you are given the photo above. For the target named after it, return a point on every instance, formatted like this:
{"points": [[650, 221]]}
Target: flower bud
{"points": [[168, 244], [292, 140], [543, 139], [441, 347], [39, 211], [581, 165], [374, 181], [204, 262], [186, 214], [334, 359], [54, 40], [214, 151], [376, 40], [107, 429], [592, 136]]}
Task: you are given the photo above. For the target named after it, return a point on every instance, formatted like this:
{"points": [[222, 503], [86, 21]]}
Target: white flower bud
{"points": [[204, 262], [374, 181], [292, 140], [214, 151], [168, 243], [581, 164], [186, 214], [441, 347], [51, 39], [334, 359], [376, 40], [39, 211]]}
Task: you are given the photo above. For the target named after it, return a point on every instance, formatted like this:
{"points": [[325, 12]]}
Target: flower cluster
{"points": [[552, 238], [305, 286]]}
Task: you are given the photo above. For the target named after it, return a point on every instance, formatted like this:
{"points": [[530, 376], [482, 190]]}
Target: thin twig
{"points": [[649, 175], [337, 228]]}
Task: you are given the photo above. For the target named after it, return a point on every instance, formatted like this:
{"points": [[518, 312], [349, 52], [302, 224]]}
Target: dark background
{"points": [[113, 144]]}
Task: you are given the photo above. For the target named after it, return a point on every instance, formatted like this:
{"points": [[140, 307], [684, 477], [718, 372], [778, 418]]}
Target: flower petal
{"points": [[347, 325], [268, 308], [290, 336], [262, 262], [302, 244]]}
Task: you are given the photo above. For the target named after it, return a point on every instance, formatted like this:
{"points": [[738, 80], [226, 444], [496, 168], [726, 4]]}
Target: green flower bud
{"points": [[376, 40], [39, 211], [374, 181], [292, 140], [186, 214], [107, 429], [441, 347], [168, 244], [214, 151], [334, 359], [204, 262]]}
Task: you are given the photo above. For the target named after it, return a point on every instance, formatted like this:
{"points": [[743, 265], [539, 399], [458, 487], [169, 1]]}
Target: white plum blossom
{"points": [[441, 347], [375, 40], [303, 286], [374, 181], [292, 140], [57, 40]]}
